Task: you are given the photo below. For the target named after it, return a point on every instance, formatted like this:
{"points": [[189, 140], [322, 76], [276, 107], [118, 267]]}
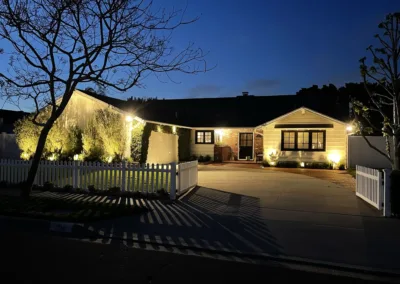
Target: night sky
{"points": [[269, 47]]}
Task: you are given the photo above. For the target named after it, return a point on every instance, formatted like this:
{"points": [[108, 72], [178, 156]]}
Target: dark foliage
{"points": [[288, 164]]}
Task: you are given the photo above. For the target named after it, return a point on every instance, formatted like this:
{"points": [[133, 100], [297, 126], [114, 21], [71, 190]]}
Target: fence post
{"points": [[172, 193], [123, 176], [387, 206]]}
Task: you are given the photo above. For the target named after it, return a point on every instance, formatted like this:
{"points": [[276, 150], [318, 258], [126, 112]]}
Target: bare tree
{"points": [[384, 98], [56, 45]]}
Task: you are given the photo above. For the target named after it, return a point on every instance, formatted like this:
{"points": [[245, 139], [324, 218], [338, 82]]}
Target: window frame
{"points": [[296, 148], [204, 136]]}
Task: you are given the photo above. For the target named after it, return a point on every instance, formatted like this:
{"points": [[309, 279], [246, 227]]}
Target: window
{"points": [[289, 139], [204, 137], [312, 140], [318, 140], [303, 140]]}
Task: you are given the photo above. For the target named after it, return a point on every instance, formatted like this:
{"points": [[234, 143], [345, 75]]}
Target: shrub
{"points": [[91, 188], [201, 159], [395, 192], [317, 165], [68, 188], [265, 164], [342, 167], [48, 186], [207, 158], [288, 164], [193, 158], [3, 184], [114, 190]]}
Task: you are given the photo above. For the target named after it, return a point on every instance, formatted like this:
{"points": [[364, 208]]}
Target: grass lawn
{"points": [[71, 210]]}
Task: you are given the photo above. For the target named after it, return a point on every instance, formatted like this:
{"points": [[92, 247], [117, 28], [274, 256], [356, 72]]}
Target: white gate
{"points": [[187, 176], [369, 185]]}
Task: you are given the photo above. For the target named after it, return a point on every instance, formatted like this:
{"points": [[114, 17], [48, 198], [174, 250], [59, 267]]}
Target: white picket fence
{"points": [[145, 178], [373, 186]]}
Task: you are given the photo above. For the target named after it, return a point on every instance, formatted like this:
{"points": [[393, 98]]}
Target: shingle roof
{"points": [[9, 117], [243, 111]]}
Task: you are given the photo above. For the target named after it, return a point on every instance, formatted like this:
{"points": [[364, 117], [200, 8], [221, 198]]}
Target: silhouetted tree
{"points": [[54, 46], [384, 100]]}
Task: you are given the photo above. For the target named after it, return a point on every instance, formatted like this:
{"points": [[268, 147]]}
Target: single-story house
{"points": [[270, 128]]}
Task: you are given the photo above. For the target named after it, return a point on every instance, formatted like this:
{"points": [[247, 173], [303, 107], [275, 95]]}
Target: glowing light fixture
{"points": [[272, 163], [52, 157], [174, 129], [349, 128], [109, 159], [129, 118], [334, 157], [302, 164], [25, 156], [76, 157]]}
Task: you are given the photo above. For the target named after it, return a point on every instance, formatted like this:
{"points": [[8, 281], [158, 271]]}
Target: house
{"points": [[8, 146], [272, 128]]}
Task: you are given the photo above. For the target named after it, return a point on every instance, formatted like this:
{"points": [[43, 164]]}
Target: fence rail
{"points": [[145, 178]]}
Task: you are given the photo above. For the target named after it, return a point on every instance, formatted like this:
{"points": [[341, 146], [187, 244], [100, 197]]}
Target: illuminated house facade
{"points": [[252, 128]]}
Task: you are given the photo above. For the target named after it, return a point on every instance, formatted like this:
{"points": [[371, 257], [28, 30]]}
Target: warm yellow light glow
{"points": [[349, 128], [129, 118], [159, 128], [334, 157], [109, 159], [174, 129], [25, 156], [272, 152], [76, 157], [52, 157], [302, 164], [272, 163], [219, 133]]}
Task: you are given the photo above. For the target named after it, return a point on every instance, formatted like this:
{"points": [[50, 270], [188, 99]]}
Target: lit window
{"points": [[303, 140], [204, 137], [317, 142], [312, 140], [289, 140]]}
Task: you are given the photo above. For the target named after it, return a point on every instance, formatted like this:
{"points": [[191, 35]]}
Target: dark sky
{"points": [[269, 47]]}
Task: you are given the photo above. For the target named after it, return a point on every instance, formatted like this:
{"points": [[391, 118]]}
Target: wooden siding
{"points": [[336, 138]]}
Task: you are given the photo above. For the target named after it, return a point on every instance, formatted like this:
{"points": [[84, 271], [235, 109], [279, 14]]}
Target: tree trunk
{"points": [[27, 187], [396, 154]]}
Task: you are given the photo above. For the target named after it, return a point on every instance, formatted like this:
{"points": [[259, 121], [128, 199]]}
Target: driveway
{"points": [[283, 190], [254, 211]]}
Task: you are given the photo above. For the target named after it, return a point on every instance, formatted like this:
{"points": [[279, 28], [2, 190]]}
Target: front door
{"points": [[245, 146]]}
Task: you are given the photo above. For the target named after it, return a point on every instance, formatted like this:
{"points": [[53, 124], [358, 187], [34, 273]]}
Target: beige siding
{"points": [[335, 139], [80, 109], [200, 149]]}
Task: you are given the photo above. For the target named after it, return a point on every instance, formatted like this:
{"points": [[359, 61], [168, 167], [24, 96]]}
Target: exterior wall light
{"points": [[302, 164], [129, 118], [349, 128], [174, 129]]}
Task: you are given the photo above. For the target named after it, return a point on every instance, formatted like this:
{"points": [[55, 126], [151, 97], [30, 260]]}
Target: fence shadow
{"points": [[205, 219]]}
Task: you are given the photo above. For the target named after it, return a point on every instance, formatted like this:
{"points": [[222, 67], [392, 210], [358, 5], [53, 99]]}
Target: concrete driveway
{"points": [[284, 191], [254, 211]]}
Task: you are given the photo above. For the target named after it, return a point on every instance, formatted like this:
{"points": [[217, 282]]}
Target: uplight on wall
{"points": [[129, 118], [302, 164], [174, 129], [349, 128], [219, 134], [334, 157]]}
